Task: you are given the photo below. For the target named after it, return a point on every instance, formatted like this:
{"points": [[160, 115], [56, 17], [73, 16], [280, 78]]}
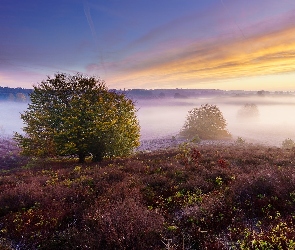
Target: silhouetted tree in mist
{"points": [[248, 111]]}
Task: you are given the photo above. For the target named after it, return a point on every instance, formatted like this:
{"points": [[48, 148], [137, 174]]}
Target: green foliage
{"points": [[278, 236], [206, 122], [288, 144], [78, 115], [240, 140], [188, 155]]}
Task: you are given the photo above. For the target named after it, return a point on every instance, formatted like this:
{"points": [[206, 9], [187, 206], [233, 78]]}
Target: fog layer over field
{"points": [[275, 122], [10, 120], [164, 118]]}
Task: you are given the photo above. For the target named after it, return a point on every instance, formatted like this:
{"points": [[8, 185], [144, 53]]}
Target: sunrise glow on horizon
{"points": [[212, 44]]}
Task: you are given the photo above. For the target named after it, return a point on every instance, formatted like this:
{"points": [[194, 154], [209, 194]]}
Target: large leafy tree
{"points": [[78, 115], [205, 122]]}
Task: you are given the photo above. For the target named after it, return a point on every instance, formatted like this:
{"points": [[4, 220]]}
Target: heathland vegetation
{"points": [[224, 195]]}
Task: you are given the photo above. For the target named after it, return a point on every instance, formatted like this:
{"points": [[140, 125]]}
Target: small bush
{"points": [[206, 122], [10, 155], [240, 140], [280, 235], [288, 144]]}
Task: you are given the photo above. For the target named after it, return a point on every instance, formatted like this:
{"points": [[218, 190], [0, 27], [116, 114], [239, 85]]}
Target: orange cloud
{"points": [[262, 54]]}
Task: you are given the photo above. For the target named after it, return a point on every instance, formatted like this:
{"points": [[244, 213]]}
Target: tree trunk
{"points": [[82, 158], [97, 157]]}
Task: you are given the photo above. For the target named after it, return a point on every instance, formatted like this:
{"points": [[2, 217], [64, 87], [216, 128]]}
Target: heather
{"points": [[10, 154], [198, 196]]}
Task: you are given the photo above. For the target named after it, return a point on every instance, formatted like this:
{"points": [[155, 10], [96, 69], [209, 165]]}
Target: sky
{"points": [[151, 44]]}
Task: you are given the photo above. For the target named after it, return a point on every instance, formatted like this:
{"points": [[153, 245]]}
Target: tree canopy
{"points": [[78, 115], [205, 122]]}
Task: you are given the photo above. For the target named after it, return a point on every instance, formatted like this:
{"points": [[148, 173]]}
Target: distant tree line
{"points": [[170, 93], [14, 94], [180, 93], [22, 95]]}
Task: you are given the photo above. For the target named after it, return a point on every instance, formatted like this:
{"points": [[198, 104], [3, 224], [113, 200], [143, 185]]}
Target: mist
{"points": [[164, 118], [275, 121], [10, 120]]}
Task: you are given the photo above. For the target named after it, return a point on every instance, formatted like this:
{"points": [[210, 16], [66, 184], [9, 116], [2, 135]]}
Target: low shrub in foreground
{"points": [[203, 197], [288, 144], [9, 155]]}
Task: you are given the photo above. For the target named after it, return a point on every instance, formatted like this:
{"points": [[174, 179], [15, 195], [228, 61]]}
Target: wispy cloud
{"points": [[89, 19], [93, 31], [261, 52], [167, 43]]}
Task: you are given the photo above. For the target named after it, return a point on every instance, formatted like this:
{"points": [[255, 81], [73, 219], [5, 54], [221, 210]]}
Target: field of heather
{"points": [[208, 196]]}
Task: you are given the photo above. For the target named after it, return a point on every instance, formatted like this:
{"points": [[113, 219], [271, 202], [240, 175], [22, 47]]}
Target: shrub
{"points": [[206, 122], [278, 236], [10, 154], [288, 144], [123, 225], [240, 140]]}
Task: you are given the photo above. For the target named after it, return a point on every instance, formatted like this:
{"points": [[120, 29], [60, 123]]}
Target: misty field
{"points": [[275, 122], [10, 120], [164, 118]]}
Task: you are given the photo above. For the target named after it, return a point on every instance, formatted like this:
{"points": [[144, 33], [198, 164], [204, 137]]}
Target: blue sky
{"points": [[224, 44]]}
